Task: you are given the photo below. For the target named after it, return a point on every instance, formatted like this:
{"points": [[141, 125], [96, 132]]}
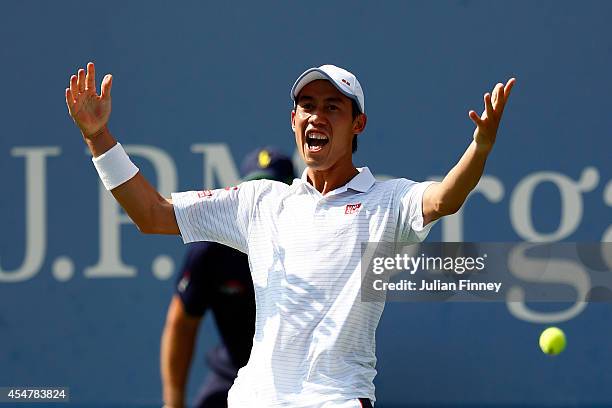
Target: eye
{"points": [[332, 108], [307, 106]]}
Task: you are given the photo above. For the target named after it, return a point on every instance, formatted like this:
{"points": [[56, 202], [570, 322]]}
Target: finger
{"points": [[107, 84], [494, 95], [475, 118], [499, 102], [90, 79], [488, 106], [508, 88], [498, 93], [81, 80], [74, 89], [69, 100]]}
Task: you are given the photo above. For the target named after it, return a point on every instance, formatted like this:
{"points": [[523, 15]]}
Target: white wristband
{"points": [[114, 167]]}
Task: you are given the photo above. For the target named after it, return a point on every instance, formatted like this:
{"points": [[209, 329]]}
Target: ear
{"points": [[359, 123], [293, 119]]}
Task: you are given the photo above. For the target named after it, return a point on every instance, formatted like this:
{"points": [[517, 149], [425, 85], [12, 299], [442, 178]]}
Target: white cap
{"points": [[346, 82]]}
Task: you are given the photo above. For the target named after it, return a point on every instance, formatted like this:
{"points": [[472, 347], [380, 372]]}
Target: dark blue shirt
{"points": [[218, 278]]}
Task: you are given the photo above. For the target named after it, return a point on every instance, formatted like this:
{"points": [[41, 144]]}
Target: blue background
{"points": [[215, 72]]}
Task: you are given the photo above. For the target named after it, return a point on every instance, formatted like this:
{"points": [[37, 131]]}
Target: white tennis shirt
{"points": [[314, 342]]}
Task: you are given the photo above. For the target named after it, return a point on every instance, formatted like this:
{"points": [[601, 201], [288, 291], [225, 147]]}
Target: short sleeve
{"points": [[191, 285], [221, 215], [410, 197]]}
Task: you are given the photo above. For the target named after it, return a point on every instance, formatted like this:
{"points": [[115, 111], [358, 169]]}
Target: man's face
{"points": [[324, 127]]}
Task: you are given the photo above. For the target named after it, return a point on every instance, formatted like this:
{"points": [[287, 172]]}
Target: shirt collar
{"points": [[361, 182]]}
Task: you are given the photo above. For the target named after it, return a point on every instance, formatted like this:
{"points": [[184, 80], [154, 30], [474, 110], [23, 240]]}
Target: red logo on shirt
{"points": [[228, 188], [352, 208], [205, 193]]}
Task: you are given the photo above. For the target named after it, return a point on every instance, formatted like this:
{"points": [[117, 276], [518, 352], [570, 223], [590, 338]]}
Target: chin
{"points": [[312, 163], [317, 165]]}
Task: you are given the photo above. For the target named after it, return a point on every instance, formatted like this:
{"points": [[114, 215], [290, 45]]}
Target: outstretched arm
{"points": [[151, 212], [448, 196]]}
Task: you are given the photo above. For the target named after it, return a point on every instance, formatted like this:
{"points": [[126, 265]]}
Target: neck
{"points": [[330, 179]]}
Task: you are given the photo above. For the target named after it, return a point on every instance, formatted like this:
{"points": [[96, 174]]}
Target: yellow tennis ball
{"points": [[552, 341]]}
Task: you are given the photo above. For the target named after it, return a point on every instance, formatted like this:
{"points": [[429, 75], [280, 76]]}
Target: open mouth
{"points": [[316, 141]]}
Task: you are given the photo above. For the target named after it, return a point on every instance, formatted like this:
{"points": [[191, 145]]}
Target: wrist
{"points": [[100, 141], [114, 167], [95, 134], [482, 148]]}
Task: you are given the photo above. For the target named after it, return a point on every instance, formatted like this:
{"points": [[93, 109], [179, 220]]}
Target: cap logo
{"points": [[264, 159], [346, 82]]}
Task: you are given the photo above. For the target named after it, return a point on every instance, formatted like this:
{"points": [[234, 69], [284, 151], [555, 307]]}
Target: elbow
{"points": [[156, 219], [145, 228], [443, 208], [440, 200], [175, 322], [145, 222], [177, 319], [150, 227], [452, 209]]}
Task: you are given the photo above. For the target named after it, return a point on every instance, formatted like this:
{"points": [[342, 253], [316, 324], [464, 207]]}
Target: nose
{"points": [[317, 117]]}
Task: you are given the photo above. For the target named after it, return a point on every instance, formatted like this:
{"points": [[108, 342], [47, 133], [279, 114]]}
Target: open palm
{"points": [[89, 110], [488, 122]]}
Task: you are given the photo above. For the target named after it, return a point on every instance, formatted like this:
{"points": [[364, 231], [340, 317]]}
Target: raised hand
{"points": [[89, 110], [488, 123]]}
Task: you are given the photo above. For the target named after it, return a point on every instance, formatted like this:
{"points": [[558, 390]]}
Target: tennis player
{"points": [[314, 338]]}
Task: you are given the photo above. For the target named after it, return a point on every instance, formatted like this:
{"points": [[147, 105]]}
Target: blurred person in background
{"points": [[217, 278]]}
